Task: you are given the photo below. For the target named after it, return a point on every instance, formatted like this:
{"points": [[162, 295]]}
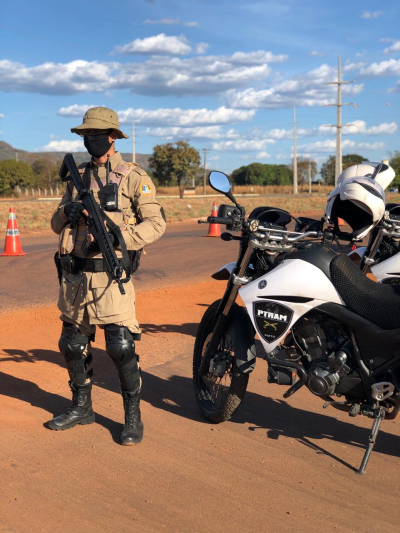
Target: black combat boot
{"points": [[80, 412], [132, 432]]}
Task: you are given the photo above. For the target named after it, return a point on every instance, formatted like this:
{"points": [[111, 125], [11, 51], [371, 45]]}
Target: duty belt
{"points": [[74, 264]]}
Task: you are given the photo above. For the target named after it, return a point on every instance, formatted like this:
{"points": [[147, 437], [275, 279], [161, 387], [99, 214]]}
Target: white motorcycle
{"points": [[322, 323]]}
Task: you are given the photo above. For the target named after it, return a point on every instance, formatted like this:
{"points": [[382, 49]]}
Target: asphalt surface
{"points": [[182, 255]]}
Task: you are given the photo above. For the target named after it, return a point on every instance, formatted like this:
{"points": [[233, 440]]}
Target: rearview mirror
{"points": [[219, 181]]}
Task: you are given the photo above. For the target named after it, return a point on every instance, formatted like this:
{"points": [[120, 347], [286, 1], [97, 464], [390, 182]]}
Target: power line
{"points": [[338, 125]]}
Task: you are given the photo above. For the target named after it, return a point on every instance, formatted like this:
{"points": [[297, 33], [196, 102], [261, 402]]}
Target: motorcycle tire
{"points": [[216, 409]]}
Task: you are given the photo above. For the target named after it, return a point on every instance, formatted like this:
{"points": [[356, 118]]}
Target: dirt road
{"points": [[182, 255], [279, 465]]}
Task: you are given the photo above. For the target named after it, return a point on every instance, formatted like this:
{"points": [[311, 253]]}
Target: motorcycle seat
{"points": [[376, 302]]}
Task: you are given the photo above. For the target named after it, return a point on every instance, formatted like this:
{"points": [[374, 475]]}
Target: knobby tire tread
{"points": [[239, 381]]}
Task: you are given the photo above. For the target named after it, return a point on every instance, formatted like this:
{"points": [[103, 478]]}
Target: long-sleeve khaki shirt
{"points": [[143, 219], [90, 298]]}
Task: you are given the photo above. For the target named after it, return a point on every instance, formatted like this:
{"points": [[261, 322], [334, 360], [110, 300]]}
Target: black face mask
{"points": [[97, 145]]}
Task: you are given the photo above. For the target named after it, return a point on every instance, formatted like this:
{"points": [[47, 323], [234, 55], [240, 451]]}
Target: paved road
{"points": [[183, 255]]}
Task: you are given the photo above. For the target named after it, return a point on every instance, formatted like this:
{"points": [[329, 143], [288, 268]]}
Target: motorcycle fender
{"points": [[224, 272], [244, 335]]}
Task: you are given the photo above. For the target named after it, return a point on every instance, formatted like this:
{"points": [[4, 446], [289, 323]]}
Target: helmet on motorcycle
{"points": [[360, 202], [381, 172]]}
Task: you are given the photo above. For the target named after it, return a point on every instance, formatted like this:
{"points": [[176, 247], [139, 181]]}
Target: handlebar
{"points": [[220, 220]]}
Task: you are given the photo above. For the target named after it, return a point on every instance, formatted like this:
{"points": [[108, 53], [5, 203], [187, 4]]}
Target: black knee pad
{"points": [[72, 344], [120, 347]]}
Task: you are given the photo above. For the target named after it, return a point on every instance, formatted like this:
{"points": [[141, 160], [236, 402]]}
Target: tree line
{"points": [[177, 164], [41, 174]]}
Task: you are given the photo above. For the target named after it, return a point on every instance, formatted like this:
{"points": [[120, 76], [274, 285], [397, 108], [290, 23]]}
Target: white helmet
{"points": [[381, 172], [360, 202]]}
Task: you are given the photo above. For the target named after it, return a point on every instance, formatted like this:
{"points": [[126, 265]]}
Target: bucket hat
{"points": [[100, 118]]}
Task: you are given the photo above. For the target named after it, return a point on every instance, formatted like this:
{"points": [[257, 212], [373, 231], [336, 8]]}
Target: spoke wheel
{"points": [[220, 392]]}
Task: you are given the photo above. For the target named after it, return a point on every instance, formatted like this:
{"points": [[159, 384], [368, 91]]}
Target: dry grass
{"points": [[253, 189], [35, 216]]}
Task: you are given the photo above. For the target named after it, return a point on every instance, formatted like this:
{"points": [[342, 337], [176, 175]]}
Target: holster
{"points": [[58, 266], [71, 264], [134, 256]]}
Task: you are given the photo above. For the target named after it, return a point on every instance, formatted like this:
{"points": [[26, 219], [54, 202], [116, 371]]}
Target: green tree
{"points": [[395, 164], [175, 164], [304, 165], [260, 174], [328, 168], [45, 172], [14, 174]]}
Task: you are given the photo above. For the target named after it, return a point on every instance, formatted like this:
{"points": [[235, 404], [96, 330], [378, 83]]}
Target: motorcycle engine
{"points": [[327, 356]]}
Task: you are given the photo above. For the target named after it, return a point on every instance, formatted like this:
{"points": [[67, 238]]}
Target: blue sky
{"points": [[224, 75]]}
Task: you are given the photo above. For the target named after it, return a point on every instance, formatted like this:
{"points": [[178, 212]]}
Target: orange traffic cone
{"points": [[214, 229], [12, 246]]}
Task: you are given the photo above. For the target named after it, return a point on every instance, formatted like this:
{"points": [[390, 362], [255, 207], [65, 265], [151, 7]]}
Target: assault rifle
{"points": [[95, 222]]}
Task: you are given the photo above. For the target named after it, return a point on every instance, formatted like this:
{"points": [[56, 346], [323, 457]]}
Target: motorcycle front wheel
{"points": [[220, 392]]}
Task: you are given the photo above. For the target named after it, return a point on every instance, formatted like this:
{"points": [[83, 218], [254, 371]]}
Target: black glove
{"points": [[73, 211]]}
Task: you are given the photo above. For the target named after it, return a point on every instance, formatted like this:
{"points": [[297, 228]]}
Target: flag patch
{"points": [[146, 189]]}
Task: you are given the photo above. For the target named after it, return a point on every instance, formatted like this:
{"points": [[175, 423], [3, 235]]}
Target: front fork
{"points": [[222, 314]]}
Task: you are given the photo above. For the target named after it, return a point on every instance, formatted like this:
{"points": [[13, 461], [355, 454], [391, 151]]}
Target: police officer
{"points": [[88, 297]]}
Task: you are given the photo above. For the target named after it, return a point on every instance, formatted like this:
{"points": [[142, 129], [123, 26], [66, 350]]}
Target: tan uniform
{"points": [[88, 299]]}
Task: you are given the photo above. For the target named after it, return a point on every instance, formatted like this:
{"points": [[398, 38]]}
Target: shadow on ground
{"points": [[174, 394]]}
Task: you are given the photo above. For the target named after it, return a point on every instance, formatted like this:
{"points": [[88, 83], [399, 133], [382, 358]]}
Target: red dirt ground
{"points": [[277, 466]]}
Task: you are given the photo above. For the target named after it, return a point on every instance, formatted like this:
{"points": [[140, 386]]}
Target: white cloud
{"points": [[396, 88], [56, 78], [392, 49], [316, 53], [330, 146], [1, 115], [201, 48], [349, 67], [63, 146], [243, 145], [360, 126], [185, 117], [304, 90], [371, 14], [201, 132], [157, 76], [387, 40], [213, 158], [158, 44], [255, 58], [75, 110], [1, 132], [391, 67], [172, 22], [263, 155]]}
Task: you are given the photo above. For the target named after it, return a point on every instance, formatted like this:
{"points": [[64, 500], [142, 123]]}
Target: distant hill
{"points": [[8, 152]]}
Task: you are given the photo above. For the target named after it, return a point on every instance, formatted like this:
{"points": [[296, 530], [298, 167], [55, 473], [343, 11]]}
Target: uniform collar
{"points": [[115, 160]]}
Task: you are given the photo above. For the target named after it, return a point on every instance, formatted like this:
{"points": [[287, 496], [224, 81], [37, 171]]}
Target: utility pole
{"points": [[294, 153], [309, 178], [338, 125], [205, 150], [133, 144]]}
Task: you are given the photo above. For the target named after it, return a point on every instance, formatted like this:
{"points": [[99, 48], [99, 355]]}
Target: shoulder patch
{"points": [[146, 189]]}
